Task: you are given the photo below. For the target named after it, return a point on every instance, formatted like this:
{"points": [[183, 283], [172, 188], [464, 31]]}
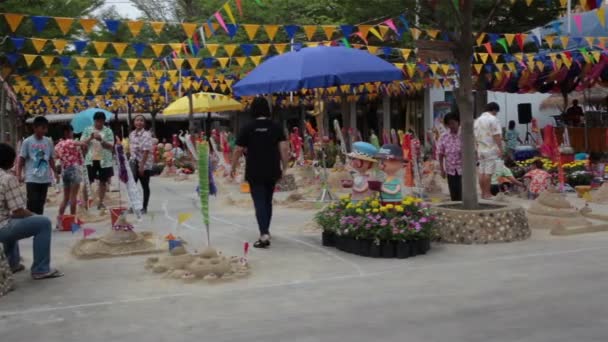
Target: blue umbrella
{"points": [[84, 119], [316, 67]]}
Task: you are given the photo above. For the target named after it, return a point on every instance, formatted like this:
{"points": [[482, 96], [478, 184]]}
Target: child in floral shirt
{"points": [[540, 180], [69, 152]]}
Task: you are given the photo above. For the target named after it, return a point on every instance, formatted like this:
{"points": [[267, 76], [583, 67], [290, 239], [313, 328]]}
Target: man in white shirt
{"points": [[488, 137]]}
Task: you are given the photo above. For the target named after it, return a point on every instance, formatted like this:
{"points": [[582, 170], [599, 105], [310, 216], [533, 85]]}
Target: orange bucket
{"points": [[115, 213], [66, 222], [245, 188]]}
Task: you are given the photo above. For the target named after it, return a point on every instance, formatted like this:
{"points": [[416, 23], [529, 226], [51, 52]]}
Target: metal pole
{"points": [[2, 111], [569, 18]]}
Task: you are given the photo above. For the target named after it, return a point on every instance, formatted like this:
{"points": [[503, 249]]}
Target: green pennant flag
{"points": [[503, 43], [346, 43]]}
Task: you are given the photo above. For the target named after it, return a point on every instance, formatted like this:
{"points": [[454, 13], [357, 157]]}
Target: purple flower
{"points": [[424, 220], [417, 226], [395, 231], [383, 223]]}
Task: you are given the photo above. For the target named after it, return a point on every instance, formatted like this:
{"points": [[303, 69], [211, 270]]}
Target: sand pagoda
{"points": [[552, 209], [122, 240]]}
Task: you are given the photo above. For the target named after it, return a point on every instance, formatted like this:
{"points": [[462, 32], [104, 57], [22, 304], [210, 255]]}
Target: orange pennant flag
{"points": [[432, 33], [189, 28], [99, 62], [157, 49], [310, 31], [193, 62], [364, 29], [64, 24], [251, 30], [415, 33], [280, 48], [120, 48], [481, 37], [223, 61], [29, 59], [212, 49], [38, 44], [157, 26], [59, 44], [82, 62], [271, 31], [372, 49], [256, 60], [147, 62], [178, 62], [13, 20], [87, 24], [329, 31], [135, 27], [100, 47], [230, 48], [48, 60], [131, 62], [264, 48]]}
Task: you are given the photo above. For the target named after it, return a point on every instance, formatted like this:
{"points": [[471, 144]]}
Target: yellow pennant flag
{"points": [[563, 3], [84, 88], [264, 48], [241, 61], [230, 48], [540, 65], [212, 49], [189, 28], [178, 62], [157, 26], [483, 57], [131, 62], [587, 196], [495, 57], [377, 34], [550, 40], [223, 61], [95, 73], [38, 44], [80, 73], [64, 24], [480, 38], [82, 61], [567, 62], [48, 60], [601, 15], [29, 59], [432, 33], [596, 55], [564, 40], [177, 47], [280, 48], [478, 67], [271, 31], [415, 33], [256, 60], [124, 74], [87, 24], [157, 49], [100, 47], [120, 48], [372, 49], [529, 2], [229, 12], [590, 41], [13, 20], [99, 62], [329, 30], [434, 68], [445, 68], [310, 31], [406, 53], [59, 44], [510, 37], [135, 27], [193, 62], [198, 72], [251, 30], [94, 87]]}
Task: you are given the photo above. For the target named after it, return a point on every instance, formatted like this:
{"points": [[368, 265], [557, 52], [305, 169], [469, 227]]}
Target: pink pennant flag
{"points": [[578, 20], [240, 7], [220, 20], [360, 35], [488, 47], [390, 23], [88, 231], [245, 249]]}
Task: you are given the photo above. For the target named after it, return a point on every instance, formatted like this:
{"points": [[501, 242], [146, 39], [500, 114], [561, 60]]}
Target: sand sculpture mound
{"points": [[120, 241], [601, 195], [209, 265], [92, 215], [551, 209], [6, 276]]}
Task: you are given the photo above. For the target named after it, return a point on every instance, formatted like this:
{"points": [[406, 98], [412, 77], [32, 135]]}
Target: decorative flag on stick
{"points": [[174, 244], [183, 217], [203, 183], [75, 227], [245, 251], [169, 237], [587, 197], [88, 231]]}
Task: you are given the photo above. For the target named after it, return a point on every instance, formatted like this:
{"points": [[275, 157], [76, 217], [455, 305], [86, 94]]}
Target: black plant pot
{"points": [[427, 244], [420, 246], [339, 242], [364, 247], [375, 251], [328, 238], [403, 249], [388, 249]]}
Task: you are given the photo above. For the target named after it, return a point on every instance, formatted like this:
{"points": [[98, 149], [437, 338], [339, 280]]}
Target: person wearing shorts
{"points": [[69, 154], [99, 141], [488, 137]]}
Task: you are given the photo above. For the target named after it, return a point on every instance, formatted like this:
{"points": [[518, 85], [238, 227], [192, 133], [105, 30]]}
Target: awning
{"points": [[57, 118]]}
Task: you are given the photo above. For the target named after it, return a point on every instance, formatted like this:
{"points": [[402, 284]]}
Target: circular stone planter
{"points": [[496, 222], [6, 276]]}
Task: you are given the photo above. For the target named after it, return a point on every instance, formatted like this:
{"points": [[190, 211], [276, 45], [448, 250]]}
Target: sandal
{"points": [[18, 268], [262, 244], [48, 275]]}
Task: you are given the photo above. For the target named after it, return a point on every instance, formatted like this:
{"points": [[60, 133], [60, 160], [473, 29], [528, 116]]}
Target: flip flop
{"points": [[48, 275]]}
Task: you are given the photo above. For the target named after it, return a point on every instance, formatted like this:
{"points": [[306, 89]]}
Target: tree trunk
{"points": [[464, 98], [129, 120], [153, 123], [191, 126]]}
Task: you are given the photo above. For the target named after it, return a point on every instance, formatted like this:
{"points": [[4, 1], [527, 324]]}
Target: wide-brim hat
{"points": [[390, 152], [363, 151]]}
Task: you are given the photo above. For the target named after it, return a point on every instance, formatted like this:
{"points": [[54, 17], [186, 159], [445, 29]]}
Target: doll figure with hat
{"points": [[391, 163], [362, 162]]}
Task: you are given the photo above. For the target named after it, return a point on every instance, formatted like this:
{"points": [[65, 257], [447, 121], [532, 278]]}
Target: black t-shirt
{"points": [[261, 140]]}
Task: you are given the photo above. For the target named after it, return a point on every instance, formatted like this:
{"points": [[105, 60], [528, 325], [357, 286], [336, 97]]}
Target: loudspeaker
{"points": [[524, 113]]}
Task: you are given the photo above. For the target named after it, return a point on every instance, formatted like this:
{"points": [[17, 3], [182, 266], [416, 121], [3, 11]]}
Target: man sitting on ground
{"points": [[17, 223]]}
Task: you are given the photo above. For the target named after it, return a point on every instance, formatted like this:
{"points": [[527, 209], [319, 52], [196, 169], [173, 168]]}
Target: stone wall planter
{"points": [[385, 249], [493, 222], [6, 276]]}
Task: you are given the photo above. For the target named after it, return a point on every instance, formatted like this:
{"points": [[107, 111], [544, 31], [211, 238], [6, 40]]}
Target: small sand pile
{"points": [[601, 195], [335, 177], [287, 183], [181, 177], [304, 175], [6, 276], [120, 241], [210, 265], [168, 171], [92, 215], [297, 201], [550, 209]]}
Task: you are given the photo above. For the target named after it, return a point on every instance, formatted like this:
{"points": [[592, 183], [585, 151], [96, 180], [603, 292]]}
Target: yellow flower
{"points": [[407, 201], [375, 204], [359, 211], [383, 209], [368, 210], [375, 211], [399, 209], [390, 206], [349, 206], [345, 197]]}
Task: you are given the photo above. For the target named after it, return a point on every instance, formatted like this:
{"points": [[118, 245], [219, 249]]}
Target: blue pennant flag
{"points": [[75, 227], [291, 30], [406, 24], [12, 58], [209, 62], [18, 42], [116, 62], [112, 25], [247, 49], [65, 60], [139, 49], [387, 50], [39, 22], [232, 30], [347, 30], [174, 244], [80, 45], [210, 26]]}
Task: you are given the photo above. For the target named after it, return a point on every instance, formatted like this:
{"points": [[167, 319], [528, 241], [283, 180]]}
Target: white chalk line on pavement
{"points": [[408, 267]]}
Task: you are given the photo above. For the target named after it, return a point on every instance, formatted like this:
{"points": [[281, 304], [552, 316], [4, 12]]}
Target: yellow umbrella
{"points": [[203, 103]]}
